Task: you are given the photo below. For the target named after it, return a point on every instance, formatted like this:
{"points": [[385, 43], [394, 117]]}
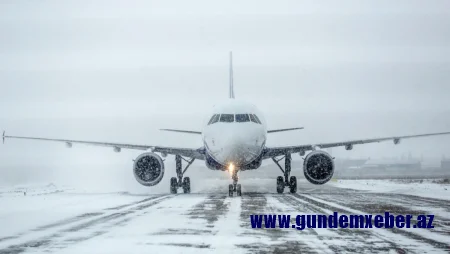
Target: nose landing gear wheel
{"points": [[173, 185], [293, 184], [280, 184], [230, 190], [187, 185], [238, 190]]}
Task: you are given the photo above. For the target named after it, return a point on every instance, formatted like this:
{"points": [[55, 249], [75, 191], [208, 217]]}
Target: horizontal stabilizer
{"points": [[183, 131], [289, 129]]}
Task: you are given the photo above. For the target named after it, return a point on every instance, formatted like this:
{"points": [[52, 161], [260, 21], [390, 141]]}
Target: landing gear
{"points": [[287, 180], [173, 185], [238, 190], [187, 185], [234, 187], [293, 184], [230, 190], [179, 181], [280, 184]]}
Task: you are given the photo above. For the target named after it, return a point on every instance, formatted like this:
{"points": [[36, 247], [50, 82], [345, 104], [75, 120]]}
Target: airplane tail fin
{"points": [[231, 92]]}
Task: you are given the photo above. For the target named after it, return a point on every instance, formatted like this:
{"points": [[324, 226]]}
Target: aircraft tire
{"points": [[280, 184], [230, 190], [238, 190], [173, 185], [187, 185], [293, 184]]}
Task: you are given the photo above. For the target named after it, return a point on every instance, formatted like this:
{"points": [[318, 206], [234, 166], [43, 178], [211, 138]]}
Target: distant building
{"points": [[393, 164], [349, 163]]}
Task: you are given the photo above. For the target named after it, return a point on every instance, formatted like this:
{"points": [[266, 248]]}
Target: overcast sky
{"points": [[107, 70]]}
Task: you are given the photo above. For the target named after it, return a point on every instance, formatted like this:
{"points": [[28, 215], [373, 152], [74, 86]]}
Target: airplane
{"points": [[234, 140]]}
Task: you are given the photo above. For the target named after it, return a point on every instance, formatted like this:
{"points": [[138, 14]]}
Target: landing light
{"points": [[231, 168]]}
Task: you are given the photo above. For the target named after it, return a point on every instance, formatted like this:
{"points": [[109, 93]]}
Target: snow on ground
{"points": [[423, 188], [60, 219], [47, 204]]}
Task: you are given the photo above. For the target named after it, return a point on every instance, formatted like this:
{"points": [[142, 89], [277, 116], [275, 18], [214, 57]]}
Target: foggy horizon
{"points": [[98, 71]]}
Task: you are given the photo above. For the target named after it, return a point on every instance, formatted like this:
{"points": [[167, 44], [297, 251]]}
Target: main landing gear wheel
{"points": [[280, 184], [293, 184], [179, 181], [173, 185], [287, 180], [187, 185]]}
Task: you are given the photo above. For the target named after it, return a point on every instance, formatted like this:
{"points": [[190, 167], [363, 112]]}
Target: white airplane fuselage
{"points": [[237, 137]]}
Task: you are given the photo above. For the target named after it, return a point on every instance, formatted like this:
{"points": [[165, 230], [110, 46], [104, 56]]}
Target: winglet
{"points": [[231, 92], [3, 137]]}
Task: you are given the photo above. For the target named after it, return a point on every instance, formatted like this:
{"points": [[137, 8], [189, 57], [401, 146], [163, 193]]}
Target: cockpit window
{"points": [[242, 118], [210, 120], [257, 119], [254, 119], [227, 118], [214, 119]]}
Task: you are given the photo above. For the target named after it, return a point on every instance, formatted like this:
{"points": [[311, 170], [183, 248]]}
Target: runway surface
{"points": [[208, 221]]}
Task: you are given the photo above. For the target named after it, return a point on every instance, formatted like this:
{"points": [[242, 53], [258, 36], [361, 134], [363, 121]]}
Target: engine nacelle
{"points": [[349, 147], [396, 141], [148, 169], [318, 167]]}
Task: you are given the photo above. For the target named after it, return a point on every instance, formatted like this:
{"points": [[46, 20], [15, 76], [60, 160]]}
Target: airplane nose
{"points": [[239, 150]]}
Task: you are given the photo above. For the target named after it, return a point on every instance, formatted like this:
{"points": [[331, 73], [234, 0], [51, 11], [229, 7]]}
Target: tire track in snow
{"points": [[407, 236], [210, 209], [195, 223], [378, 203], [228, 227], [273, 240], [74, 219], [56, 238], [342, 239]]}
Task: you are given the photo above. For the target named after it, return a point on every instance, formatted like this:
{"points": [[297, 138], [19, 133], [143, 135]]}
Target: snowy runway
{"points": [[67, 221]]}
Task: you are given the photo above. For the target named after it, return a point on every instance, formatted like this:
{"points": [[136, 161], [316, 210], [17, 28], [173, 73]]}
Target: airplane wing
{"points": [[270, 152], [183, 131], [187, 152], [289, 129]]}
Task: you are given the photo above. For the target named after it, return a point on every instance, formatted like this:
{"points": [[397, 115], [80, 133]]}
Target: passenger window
{"points": [[254, 119], [242, 118], [227, 118]]}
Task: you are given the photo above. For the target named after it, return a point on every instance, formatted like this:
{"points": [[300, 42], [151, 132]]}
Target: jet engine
{"points": [[148, 169], [318, 167]]}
